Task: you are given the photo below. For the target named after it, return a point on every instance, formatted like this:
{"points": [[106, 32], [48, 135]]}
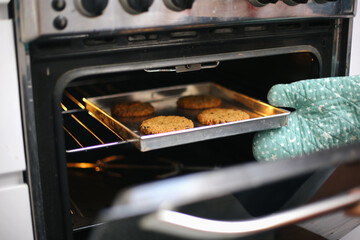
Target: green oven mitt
{"points": [[327, 114]]}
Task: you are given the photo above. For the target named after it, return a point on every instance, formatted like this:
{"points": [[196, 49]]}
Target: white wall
{"points": [[15, 211]]}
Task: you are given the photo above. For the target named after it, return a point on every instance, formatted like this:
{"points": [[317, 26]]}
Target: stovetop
{"points": [[78, 17]]}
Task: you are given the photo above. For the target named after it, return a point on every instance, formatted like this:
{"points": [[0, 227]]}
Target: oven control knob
{"points": [[60, 22], [294, 2], [136, 6], [58, 5], [178, 5], [91, 8]]}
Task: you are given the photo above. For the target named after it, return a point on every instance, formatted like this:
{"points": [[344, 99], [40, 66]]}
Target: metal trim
{"points": [[349, 45], [336, 50], [28, 10], [105, 145], [67, 77], [32, 174]]}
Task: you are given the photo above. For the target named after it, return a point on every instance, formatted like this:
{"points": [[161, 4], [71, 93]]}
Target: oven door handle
{"points": [[183, 225]]}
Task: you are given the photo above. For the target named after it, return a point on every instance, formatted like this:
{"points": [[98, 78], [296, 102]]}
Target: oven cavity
{"points": [[101, 162]]}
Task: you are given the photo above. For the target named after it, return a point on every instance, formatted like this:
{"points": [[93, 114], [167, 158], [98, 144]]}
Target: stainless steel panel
{"points": [[39, 19], [263, 116]]}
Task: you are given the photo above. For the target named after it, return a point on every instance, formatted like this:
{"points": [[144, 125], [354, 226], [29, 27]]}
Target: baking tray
{"points": [[263, 116]]}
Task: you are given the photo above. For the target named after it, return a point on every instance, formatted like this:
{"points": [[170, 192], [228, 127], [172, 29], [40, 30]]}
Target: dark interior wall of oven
{"points": [[51, 58]]}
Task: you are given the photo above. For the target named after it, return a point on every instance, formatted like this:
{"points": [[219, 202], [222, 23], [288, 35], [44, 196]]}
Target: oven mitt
{"points": [[327, 114]]}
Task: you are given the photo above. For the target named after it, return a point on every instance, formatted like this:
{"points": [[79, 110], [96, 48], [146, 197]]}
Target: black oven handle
{"points": [[187, 226]]}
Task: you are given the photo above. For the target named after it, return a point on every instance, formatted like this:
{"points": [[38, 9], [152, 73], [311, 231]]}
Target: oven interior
{"points": [[100, 163]]}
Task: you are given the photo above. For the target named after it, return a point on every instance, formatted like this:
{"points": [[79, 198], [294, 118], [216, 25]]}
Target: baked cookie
{"points": [[221, 115], [198, 102], [163, 124], [132, 109]]}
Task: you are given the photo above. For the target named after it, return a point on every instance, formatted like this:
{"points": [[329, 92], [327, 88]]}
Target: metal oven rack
{"points": [[83, 131]]}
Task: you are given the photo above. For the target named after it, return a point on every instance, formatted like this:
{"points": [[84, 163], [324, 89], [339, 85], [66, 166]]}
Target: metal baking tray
{"points": [[263, 116]]}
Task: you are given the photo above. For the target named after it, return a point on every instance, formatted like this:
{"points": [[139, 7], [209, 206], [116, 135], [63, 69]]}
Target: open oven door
{"points": [[205, 205]]}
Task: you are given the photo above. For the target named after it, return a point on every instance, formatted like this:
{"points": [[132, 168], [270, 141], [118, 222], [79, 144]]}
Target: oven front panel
{"points": [[253, 57], [62, 17]]}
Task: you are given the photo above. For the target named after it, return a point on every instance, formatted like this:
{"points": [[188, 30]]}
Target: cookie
{"points": [[221, 115], [132, 109], [198, 102], [163, 124]]}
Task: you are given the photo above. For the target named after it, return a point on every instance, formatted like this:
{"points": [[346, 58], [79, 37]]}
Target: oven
{"points": [[74, 54]]}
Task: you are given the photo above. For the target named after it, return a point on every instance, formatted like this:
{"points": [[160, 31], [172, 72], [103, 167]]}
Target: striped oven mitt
{"points": [[327, 114]]}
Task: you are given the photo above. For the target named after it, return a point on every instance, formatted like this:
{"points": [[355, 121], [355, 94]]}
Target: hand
{"points": [[327, 114]]}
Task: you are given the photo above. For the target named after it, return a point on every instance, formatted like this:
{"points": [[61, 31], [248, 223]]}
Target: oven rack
{"points": [[82, 130]]}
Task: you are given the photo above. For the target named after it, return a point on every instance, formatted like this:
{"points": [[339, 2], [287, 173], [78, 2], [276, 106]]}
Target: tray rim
{"points": [[137, 138]]}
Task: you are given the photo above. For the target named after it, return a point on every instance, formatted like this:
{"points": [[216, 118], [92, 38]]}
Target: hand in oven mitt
{"points": [[327, 114]]}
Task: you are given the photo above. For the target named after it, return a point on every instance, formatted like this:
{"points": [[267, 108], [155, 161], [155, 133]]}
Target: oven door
{"points": [[209, 205]]}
